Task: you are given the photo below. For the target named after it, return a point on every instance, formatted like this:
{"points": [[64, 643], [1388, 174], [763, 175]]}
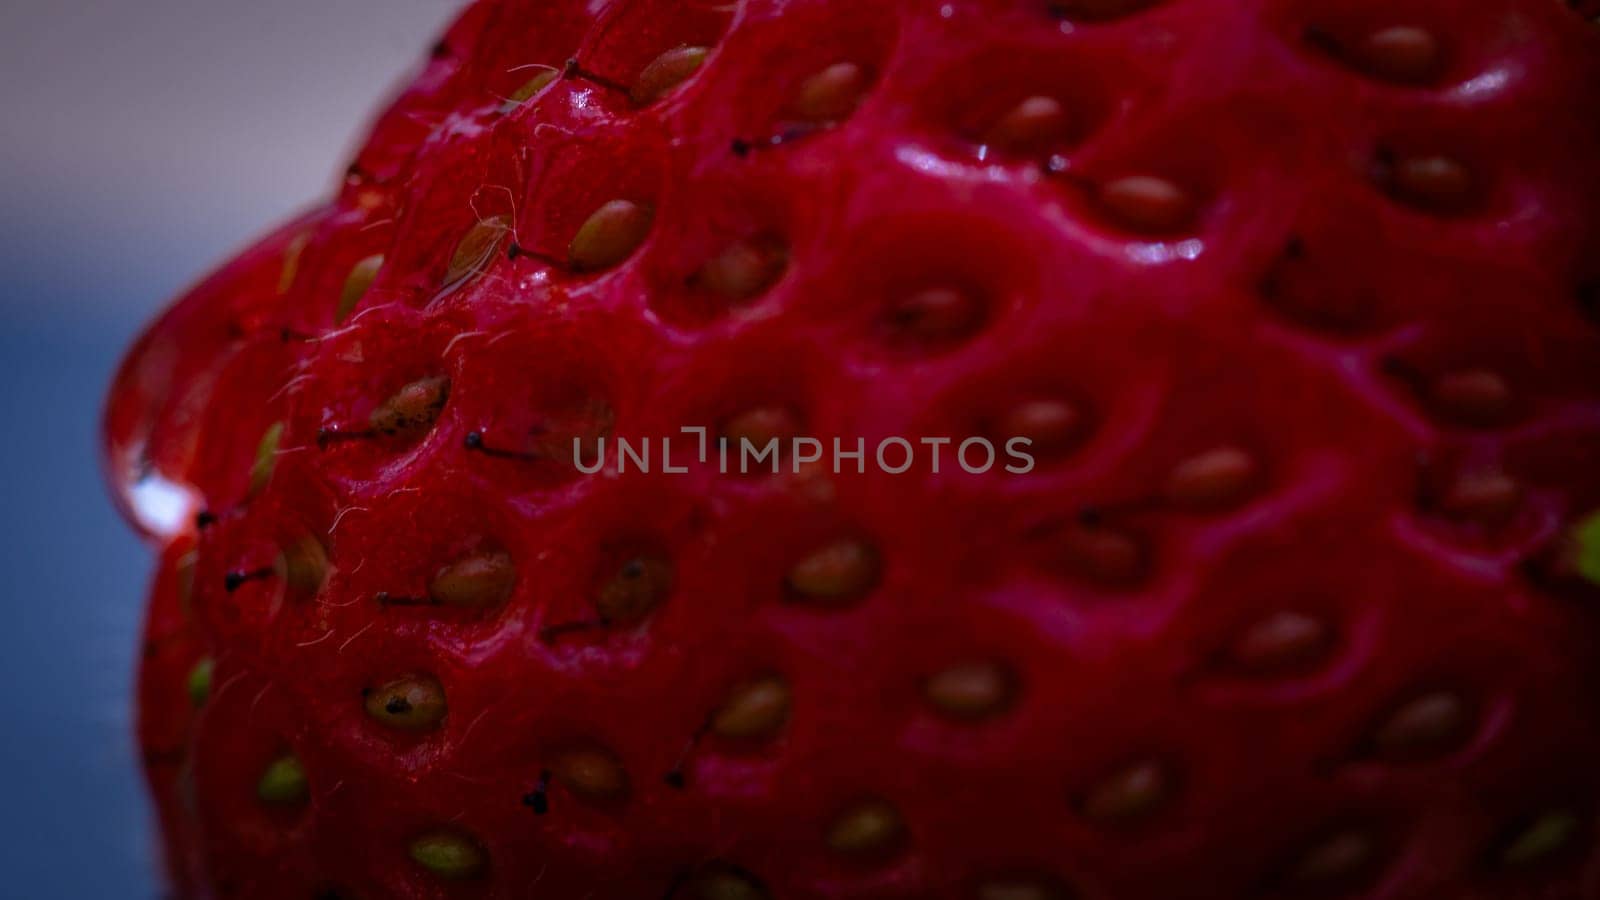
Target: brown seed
{"points": [[835, 573], [831, 94], [593, 774], [1147, 203], [1128, 795], [1426, 727], [744, 270], [719, 882], [478, 581], [1019, 889], [1474, 397], [635, 590], [477, 249], [756, 709], [610, 235], [1281, 641], [1031, 126], [1437, 183], [1336, 858], [1102, 554], [1486, 497], [414, 703], [529, 90], [1213, 480], [449, 854], [666, 72], [303, 565], [1054, 426], [973, 690], [356, 285], [936, 315], [871, 828], [411, 412], [1401, 53], [1542, 838]]}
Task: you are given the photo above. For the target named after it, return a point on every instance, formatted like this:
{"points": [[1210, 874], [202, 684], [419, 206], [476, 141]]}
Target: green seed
{"points": [[450, 855], [1586, 537], [1545, 836], [356, 286], [475, 582], [266, 458], [283, 783], [610, 235], [303, 565], [200, 681]]}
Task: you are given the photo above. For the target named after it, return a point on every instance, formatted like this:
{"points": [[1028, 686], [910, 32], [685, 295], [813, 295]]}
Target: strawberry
{"points": [[1296, 302]]}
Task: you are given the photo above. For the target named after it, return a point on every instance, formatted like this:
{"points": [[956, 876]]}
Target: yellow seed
{"points": [[1436, 182], [356, 286], [478, 581], [529, 90], [1336, 858], [636, 589], [1104, 555], [971, 690], [724, 883], [666, 72], [756, 709], [610, 235], [477, 250], [870, 828], [199, 682], [1401, 53], [413, 409], [936, 314], [449, 854], [835, 573], [1029, 127], [415, 703], [1426, 727], [1212, 480], [266, 461], [1280, 641], [1475, 397], [291, 261], [1053, 426], [831, 94], [759, 426], [1147, 203], [1485, 497], [1128, 795], [744, 270], [1018, 889], [591, 773]]}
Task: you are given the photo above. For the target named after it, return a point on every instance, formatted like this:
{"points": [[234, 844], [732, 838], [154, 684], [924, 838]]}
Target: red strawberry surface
{"points": [[1299, 303]]}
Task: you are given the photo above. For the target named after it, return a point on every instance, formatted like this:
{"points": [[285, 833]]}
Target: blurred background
{"points": [[144, 142]]}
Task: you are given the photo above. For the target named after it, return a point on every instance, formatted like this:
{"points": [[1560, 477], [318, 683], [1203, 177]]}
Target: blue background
{"points": [[142, 142]]}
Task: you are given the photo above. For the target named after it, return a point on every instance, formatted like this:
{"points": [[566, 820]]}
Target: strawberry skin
{"points": [[1299, 303]]}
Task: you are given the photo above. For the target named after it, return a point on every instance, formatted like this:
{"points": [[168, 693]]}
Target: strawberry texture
{"points": [[1297, 300]]}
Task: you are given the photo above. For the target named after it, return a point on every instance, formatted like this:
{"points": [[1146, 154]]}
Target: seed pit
{"points": [[630, 590], [475, 582], [831, 94], [449, 854], [871, 830], [1426, 727], [1148, 204], [666, 72], [610, 235], [592, 774], [1281, 642], [1128, 795], [934, 318], [755, 710], [971, 691]]}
